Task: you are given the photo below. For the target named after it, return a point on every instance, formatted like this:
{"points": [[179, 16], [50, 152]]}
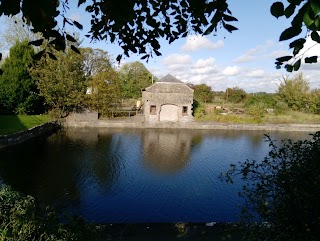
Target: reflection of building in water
{"points": [[166, 151]]}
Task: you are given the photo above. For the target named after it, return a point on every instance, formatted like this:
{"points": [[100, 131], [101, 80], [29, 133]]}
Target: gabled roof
{"points": [[169, 79]]}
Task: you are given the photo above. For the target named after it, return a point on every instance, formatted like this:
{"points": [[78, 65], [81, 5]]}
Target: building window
{"points": [[185, 110], [153, 110]]}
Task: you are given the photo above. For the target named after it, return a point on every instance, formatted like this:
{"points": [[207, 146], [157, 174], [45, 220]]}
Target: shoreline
{"points": [[22, 136], [127, 123]]}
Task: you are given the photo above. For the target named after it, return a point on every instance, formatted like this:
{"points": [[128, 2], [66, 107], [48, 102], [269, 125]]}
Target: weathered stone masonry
{"points": [[8, 140], [168, 100]]}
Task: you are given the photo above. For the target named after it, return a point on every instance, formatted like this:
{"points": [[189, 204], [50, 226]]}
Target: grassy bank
{"points": [[10, 124], [244, 116]]}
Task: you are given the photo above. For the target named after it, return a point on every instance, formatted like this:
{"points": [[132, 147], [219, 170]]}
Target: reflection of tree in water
{"points": [[166, 151], [99, 158], [61, 166]]}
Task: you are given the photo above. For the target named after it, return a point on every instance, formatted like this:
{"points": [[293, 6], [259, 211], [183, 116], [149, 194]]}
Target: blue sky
{"points": [[244, 58]]}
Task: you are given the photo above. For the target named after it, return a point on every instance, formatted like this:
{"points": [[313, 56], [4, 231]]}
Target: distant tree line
{"points": [[66, 81]]}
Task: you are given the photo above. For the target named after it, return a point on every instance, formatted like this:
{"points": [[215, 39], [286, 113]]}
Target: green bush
{"points": [[23, 218], [257, 111], [283, 190], [267, 99]]}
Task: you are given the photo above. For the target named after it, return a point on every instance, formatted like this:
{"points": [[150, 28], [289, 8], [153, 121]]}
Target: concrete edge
{"points": [[194, 125], [17, 138]]}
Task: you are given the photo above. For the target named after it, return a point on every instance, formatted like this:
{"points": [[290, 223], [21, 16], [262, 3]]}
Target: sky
{"points": [[244, 58]]}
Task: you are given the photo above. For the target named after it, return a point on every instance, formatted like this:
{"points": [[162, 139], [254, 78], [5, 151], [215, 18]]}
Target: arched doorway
{"points": [[169, 113]]}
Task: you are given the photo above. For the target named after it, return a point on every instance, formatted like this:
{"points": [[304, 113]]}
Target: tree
{"points": [[282, 191], [134, 77], [235, 95], [203, 93], [105, 93], [18, 90], [16, 31], [295, 92], [61, 81], [95, 61], [266, 98], [306, 18], [136, 26]]}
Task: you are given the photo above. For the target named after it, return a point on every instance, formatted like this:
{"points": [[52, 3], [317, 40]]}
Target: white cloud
{"points": [[231, 71], [260, 73], [204, 66], [195, 43], [268, 50], [243, 59], [177, 61]]}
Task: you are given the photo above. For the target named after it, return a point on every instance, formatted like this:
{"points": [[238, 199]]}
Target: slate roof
{"points": [[169, 79]]}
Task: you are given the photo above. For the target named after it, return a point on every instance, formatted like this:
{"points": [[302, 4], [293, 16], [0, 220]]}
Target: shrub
{"points": [[257, 111], [24, 218], [281, 108], [283, 190]]}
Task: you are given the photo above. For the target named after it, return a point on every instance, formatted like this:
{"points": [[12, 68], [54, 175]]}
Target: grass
{"points": [[287, 117], [10, 124]]}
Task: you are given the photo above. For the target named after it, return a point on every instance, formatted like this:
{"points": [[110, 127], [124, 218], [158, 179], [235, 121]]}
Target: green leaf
{"points": [[288, 67], [145, 56], [310, 60], [1, 72], [119, 57], [308, 21], [77, 24], [284, 58], [36, 42], [315, 36], [298, 42], [290, 33], [277, 9], [209, 29], [229, 18], [229, 28], [157, 52], [297, 65], [81, 2], [75, 49], [52, 56], [38, 55], [295, 2], [70, 38], [289, 10], [315, 6]]}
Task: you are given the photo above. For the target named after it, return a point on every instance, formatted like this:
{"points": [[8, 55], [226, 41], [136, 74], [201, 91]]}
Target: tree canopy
{"points": [[61, 81], [305, 16], [134, 77], [282, 190], [18, 90], [202, 93], [138, 25]]}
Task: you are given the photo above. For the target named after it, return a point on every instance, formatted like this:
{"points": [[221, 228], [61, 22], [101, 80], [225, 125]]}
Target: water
{"points": [[136, 176]]}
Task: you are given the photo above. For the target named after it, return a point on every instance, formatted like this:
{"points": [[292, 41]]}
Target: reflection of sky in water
{"points": [[136, 175]]}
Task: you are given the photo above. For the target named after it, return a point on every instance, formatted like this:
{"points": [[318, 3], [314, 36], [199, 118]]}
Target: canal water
{"points": [[132, 176]]}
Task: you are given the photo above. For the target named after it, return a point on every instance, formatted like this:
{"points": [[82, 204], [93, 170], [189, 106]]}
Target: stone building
{"points": [[168, 100]]}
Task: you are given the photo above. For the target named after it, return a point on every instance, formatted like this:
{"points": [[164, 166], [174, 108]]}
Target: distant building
{"points": [[168, 100]]}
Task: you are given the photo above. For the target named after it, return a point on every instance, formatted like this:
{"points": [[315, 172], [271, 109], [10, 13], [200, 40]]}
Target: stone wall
{"points": [[8, 140], [158, 100], [134, 122], [83, 119]]}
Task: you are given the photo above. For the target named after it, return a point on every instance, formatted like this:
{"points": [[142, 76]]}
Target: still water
{"points": [[136, 175]]}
